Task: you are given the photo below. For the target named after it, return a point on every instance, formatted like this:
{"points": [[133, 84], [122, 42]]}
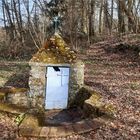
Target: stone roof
{"points": [[54, 51]]}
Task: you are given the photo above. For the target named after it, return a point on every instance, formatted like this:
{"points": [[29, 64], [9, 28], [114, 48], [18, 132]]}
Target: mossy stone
{"points": [[82, 95]]}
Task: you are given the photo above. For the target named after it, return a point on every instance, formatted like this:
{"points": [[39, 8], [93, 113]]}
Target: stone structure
{"points": [[19, 98], [55, 52], [15, 96]]}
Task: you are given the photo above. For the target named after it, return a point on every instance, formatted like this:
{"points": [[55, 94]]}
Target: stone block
{"points": [[94, 124], [29, 131], [53, 132], [69, 129], [81, 127], [44, 132]]}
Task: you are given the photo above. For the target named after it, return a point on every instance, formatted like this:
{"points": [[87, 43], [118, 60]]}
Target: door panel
{"points": [[57, 88], [52, 81]]}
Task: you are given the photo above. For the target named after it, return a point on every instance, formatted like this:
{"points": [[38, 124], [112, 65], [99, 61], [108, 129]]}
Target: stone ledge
{"points": [[59, 131], [12, 109], [13, 90], [30, 132], [48, 64]]}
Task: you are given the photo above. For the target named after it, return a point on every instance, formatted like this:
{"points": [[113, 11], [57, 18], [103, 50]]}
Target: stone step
{"points": [[58, 131]]}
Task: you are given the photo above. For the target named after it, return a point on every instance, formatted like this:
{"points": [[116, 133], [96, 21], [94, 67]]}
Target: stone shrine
{"points": [[56, 75]]}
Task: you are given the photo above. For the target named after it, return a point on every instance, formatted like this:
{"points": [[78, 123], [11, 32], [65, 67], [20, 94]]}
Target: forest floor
{"points": [[112, 68]]}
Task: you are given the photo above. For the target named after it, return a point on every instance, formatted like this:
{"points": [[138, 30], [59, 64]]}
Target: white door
{"points": [[57, 88]]}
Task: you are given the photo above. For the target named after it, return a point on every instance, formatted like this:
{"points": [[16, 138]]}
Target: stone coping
{"points": [[12, 109], [48, 64], [13, 90], [80, 127]]}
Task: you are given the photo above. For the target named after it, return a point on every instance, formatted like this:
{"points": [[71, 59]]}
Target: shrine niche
{"points": [[56, 75]]}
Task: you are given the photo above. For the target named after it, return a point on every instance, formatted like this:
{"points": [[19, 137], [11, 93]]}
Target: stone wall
{"points": [[37, 82], [76, 80], [37, 85], [18, 98]]}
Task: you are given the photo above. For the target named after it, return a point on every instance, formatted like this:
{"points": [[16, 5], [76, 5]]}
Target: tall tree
{"points": [[112, 8], [92, 18], [121, 24], [107, 25], [100, 15]]}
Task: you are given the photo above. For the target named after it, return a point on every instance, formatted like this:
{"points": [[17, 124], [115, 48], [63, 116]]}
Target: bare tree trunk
{"points": [[13, 18], [18, 20], [8, 13], [100, 16], [92, 18], [121, 24], [137, 17], [112, 8], [26, 5], [35, 19], [130, 8], [129, 14], [4, 14], [83, 16], [107, 25], [10, 26], [19, 14]]}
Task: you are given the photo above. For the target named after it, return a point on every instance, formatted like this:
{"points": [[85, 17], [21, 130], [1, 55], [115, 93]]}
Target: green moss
{"points": [[109, 109], [94, 106], [55, 51], [95, 98], [18, 120]]}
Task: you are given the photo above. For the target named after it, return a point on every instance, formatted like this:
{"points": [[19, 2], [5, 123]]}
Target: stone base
{"points": [[28, 129]]}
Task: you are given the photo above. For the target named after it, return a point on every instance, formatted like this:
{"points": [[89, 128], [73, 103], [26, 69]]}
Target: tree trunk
{"points": [[4, 14], [10, 27], [130, 10], [92, 18], [121, 24], [112, 8], [107, 25], [100, 17], [129, 14]]}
